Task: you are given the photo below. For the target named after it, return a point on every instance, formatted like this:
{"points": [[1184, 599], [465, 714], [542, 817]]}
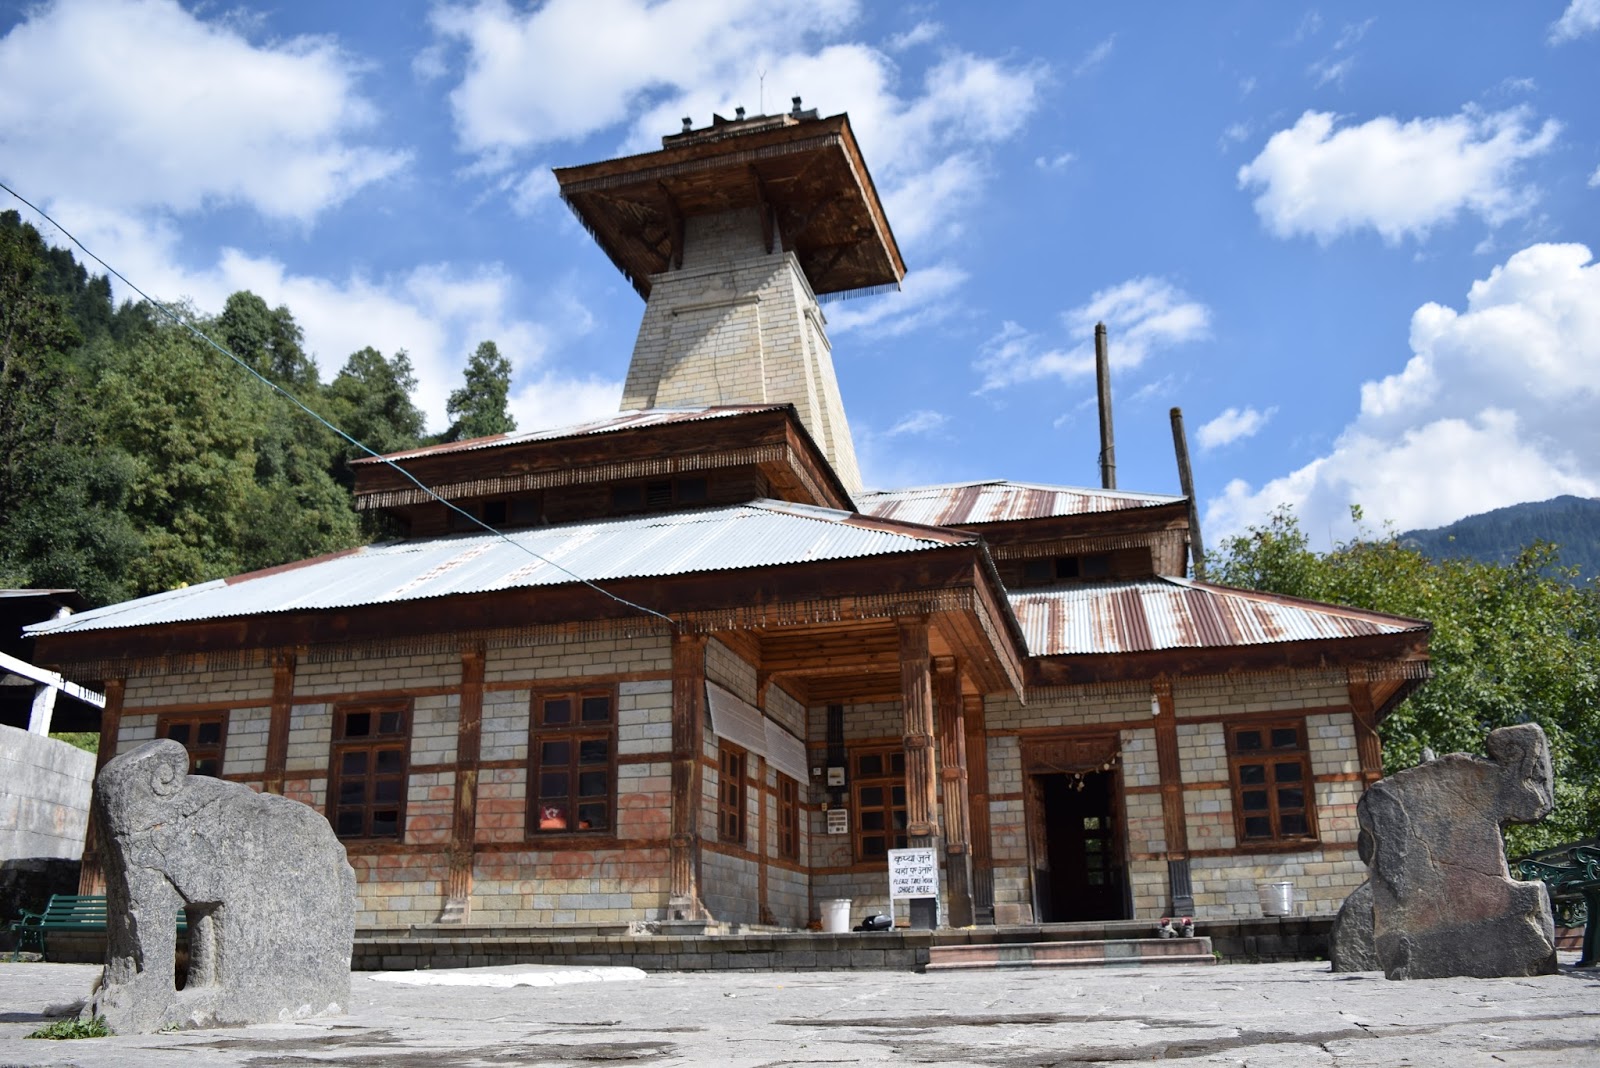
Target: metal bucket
{"points": [[1277, 898]]}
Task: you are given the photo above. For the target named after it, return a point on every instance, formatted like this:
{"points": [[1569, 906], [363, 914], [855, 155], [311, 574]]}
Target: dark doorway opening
{"points": [[1083, 877]]}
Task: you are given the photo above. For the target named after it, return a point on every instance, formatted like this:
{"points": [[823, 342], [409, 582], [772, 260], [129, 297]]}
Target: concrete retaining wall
{"points": [[44, 797]]}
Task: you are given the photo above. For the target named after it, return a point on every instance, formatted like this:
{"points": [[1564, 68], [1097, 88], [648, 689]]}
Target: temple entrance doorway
{"points": [[1075, 833]]}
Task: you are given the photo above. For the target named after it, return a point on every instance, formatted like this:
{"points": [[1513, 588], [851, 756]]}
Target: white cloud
{"points": [[926, 296], [1095, 57], [922, 33], [170, 112], [1495, 406], [1580, 18], [1594, 179], [1398, 178], [532, 78], [1234, 424], [922, 421], [1059, 162], [554, 400], [1332, 70], [1143, 316]]}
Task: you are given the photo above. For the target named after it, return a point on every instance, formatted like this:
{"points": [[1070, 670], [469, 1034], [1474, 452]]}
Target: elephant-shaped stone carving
{"points": [[266, 887], [1440, 900]]}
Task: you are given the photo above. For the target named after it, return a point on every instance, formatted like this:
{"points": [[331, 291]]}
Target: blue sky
{"points": [[1354, 243]]}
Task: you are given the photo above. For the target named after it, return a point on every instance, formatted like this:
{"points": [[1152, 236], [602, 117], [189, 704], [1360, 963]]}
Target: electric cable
{"points": [[197, 332]]}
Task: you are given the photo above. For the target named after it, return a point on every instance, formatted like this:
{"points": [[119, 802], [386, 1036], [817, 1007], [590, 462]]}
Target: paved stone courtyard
{"points": [[1290, 1015]]}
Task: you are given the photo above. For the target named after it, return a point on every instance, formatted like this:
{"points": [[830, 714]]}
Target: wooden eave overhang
{"points": [[772, 438], [1398, 662], [953, 587], [1007, 536], [810, 175]]}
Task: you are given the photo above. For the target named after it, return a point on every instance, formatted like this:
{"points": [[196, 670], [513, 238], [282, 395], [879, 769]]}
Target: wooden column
{"points": [[950, 716], [469, 748], [1175, 827], [764, 858], [92, 873], [283, 667], [688, 742], [1369, 747], [916, 696], [978, 809]]}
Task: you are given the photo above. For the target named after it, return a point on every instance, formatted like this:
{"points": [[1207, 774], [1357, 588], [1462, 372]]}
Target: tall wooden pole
{"points": [[1102, 377], [1180, 444]]}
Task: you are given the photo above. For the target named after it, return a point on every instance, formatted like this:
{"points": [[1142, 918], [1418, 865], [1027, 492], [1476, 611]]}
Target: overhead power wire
{"points": [[270, 384]]}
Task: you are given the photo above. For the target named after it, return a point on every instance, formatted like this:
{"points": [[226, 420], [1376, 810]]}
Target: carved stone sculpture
{"points": [[268, 893], [1350, 945], [1443, 902]]}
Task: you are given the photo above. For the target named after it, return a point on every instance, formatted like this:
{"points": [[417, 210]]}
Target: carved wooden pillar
{"points": [[469, 748], [283, 668], [916, 696], [92, 873], [1369, 747], [1174, 826], [978, 809], [688, 742], [950, 716]]}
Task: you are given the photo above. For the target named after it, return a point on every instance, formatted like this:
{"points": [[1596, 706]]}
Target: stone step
{"points": [[1073, 954]]}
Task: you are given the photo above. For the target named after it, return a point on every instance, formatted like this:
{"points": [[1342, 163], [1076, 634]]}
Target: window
{"points": [[1271, 783], [204, 737], [573, 765], [879, 787], [1063, 568], [731, 761], [788, 817], [665, 493], [367, 789]]}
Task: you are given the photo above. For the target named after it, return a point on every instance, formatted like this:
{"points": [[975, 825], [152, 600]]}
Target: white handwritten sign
{"points": [[913, 873]]}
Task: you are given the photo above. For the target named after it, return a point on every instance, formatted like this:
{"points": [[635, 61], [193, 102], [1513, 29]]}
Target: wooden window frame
{"points": [[383, 736], [733, 781], [562, 814], [197, 753], [1257, 770], [788, 817], [864, 828]]}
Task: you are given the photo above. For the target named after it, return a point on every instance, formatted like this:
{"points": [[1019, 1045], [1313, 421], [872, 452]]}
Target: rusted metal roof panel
{"points": [[966, 503], [626, 420], [1171, 613], [758, 534]]}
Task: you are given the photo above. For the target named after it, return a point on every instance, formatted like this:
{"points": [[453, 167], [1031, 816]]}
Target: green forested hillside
{"points": [[1572, 524], [135, 458]]}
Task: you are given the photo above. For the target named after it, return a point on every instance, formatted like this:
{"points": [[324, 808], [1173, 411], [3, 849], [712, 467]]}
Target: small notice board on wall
{"points": [[913, 873]]}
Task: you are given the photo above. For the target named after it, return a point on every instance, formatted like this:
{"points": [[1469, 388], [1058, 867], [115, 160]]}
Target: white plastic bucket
{"points": [[1277, 898], [836, 916]]}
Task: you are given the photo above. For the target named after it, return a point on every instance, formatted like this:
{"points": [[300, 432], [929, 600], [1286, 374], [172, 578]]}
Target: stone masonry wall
{"points": [[1224, 879]]}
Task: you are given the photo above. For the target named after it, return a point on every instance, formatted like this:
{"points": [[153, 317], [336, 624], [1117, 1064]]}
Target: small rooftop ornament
{"points": [[268, 893]]}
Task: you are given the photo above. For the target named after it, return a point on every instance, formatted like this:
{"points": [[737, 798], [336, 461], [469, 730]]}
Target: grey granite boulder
{"points": [[1443, 901], [1350, 945], [266, 886]]}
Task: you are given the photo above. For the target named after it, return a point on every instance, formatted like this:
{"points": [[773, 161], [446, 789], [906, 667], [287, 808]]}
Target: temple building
{"points": [[698, 672]]}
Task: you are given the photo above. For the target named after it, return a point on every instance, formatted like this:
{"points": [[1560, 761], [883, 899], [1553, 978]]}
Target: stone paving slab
{"points": [[1265, 1016]]}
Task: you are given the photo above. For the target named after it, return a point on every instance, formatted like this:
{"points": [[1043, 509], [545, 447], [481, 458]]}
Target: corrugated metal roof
{"points": [[758, 534], [1172, 613], [963, 503], [626, 420]]}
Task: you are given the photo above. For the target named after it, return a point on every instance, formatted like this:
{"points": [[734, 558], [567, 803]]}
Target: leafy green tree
{"points": [[62, 485], [268, 339], [478, 409], [1511, 643]]}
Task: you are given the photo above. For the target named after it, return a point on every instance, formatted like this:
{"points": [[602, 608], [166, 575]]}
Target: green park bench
{"points": [[1571, 875], [65, 912]]}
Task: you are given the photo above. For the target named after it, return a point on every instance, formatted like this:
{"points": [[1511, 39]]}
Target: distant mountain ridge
{"points": [[1497, 537]]}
